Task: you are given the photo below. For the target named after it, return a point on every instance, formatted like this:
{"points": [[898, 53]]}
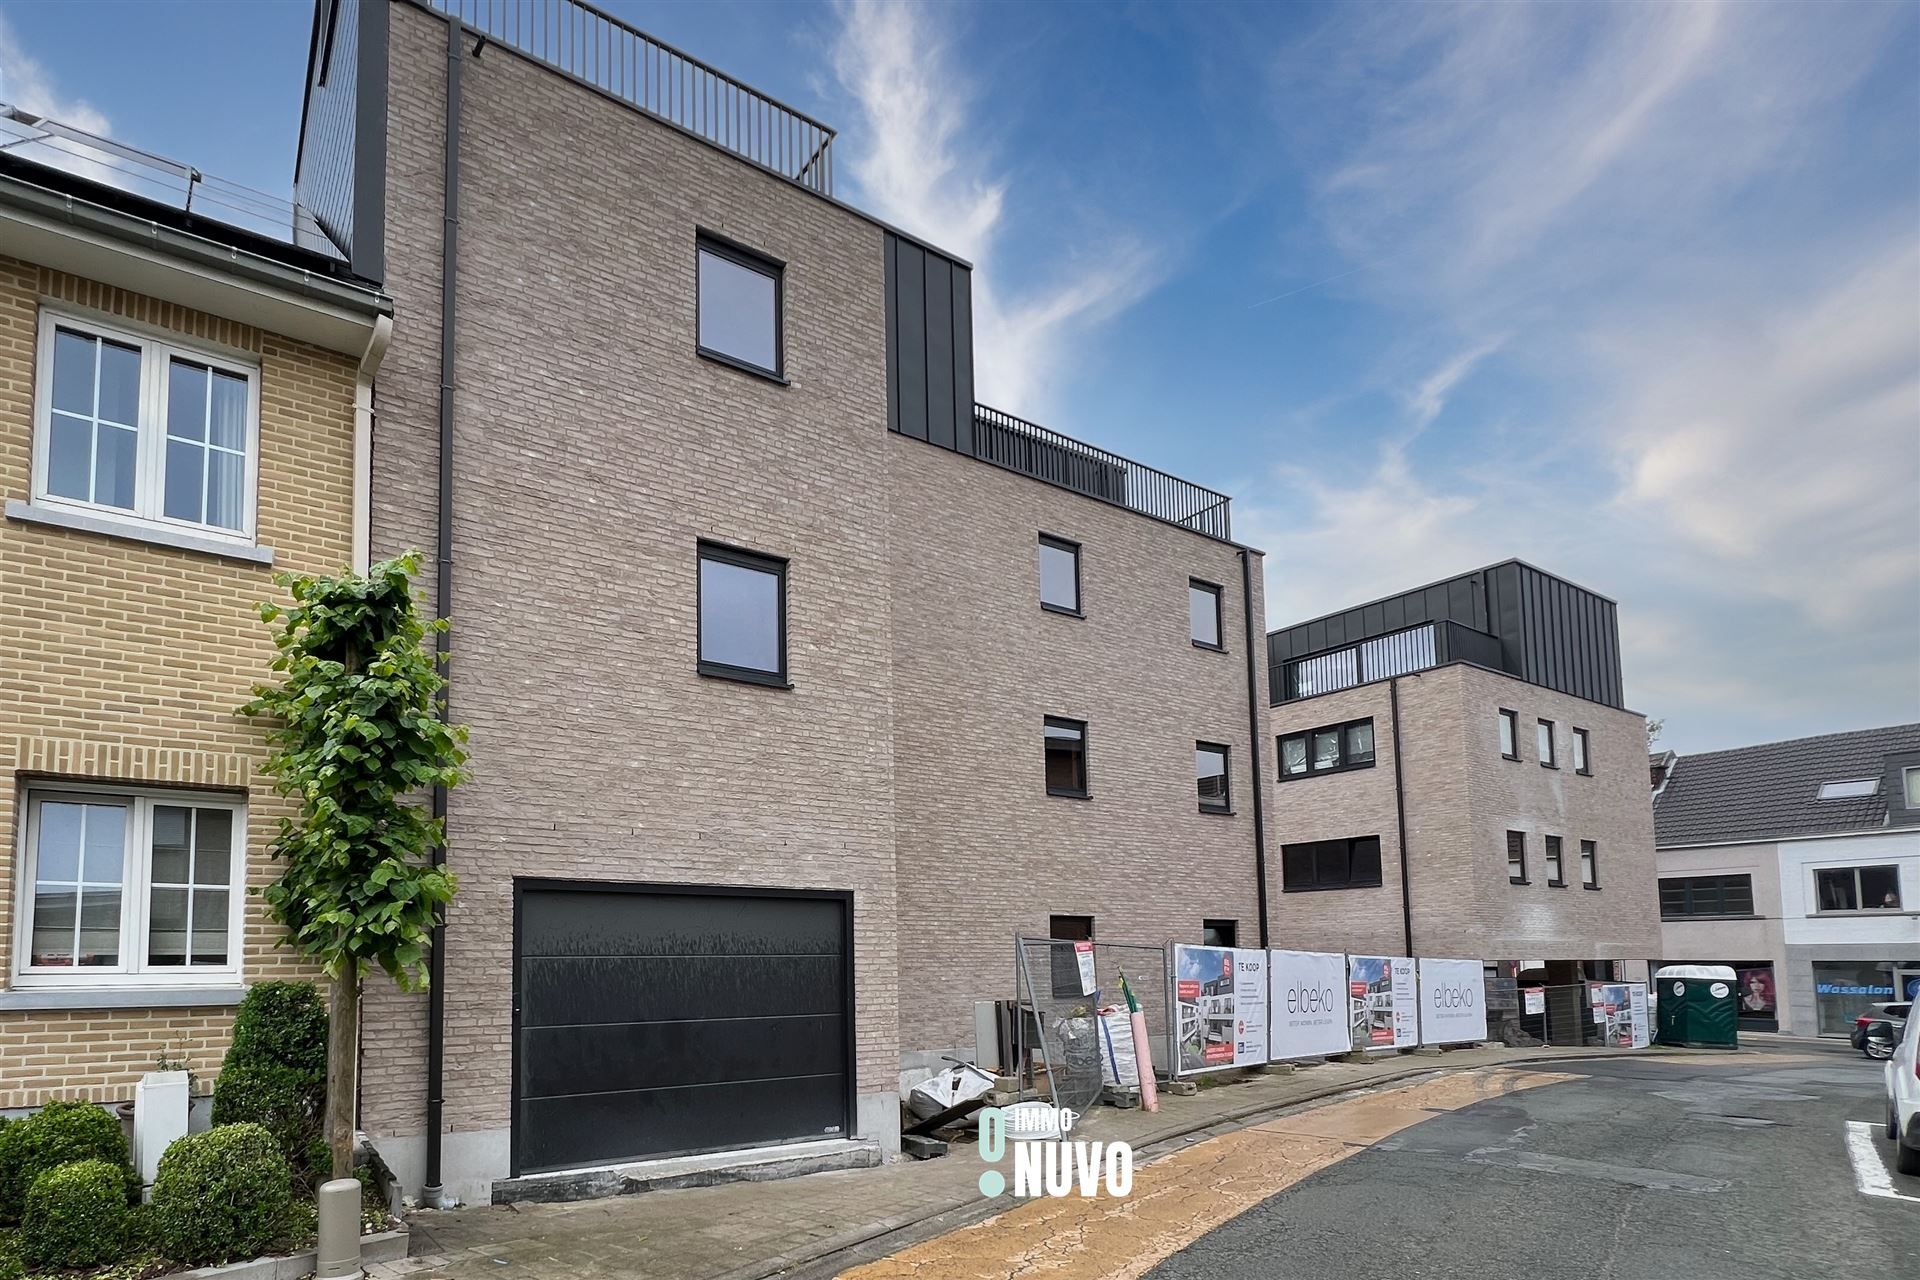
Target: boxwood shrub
{"points": [[59, 1133], [281, 1024], [275, 1075], [76, 1216], [221, 1195]]}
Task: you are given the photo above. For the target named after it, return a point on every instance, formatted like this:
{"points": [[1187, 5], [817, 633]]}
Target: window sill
{"points": [[1505, 756], [1696, 919], [1062, 610], [120, 997], [1556, 884], [765, 679], [1217, 812], [1594, 887], [1880, 913], [1210, 648], [1327, 888], [742, 366], [108, 526], [1548, 764], [1518, 880], [1585, 773], [1069, 795]]}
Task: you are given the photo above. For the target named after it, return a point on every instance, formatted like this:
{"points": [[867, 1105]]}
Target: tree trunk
{"points": [[343, 1054]]}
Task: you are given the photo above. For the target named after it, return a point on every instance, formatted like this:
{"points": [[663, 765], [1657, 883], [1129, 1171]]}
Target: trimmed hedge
{"points": [[281, 1024], [59, 1133], [77, 1216], [221, 1195]]}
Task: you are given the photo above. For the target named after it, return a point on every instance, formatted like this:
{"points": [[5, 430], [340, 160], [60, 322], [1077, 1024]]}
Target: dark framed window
{"points": [[1330, 864], [1582, 760], [1219, 933], [1516, 857], [738, 313], [1857, 889], [1509, 734], [1066, 744], [1544, 735], [1328, 749], [1211, 777], [1589, 865], [1556, 872], [1203, 614], [742, 610], [1684, 896], [1059, 575]]}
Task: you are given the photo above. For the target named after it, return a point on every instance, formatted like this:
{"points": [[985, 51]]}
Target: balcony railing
{"points": [[1398, 653], [1031, 449], [597, 48]]}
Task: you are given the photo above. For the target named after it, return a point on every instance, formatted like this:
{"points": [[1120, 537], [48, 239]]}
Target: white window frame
{"points": [[1910, 792], [150, 450], [136, 875]]}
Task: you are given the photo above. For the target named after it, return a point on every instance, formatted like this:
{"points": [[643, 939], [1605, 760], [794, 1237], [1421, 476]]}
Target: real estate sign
{"points": [[1220, 1007], [1453, 1001], [1620, 1008], [1309, 1004], [1381, 1002]]}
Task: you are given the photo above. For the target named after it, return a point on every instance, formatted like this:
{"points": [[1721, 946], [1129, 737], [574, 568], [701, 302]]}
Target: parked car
{"points": [[1903, 1099], [1893, 1016]]}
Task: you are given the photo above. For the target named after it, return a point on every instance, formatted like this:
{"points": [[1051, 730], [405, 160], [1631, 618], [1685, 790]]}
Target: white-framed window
{"points": [[144, 429], [122, 887]]}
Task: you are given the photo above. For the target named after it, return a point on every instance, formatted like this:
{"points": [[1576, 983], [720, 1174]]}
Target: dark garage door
{"points": [[654, 1022]]}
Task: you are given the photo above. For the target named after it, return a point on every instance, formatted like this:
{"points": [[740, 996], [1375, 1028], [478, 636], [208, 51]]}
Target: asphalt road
{"points": [[1645, 1168]]}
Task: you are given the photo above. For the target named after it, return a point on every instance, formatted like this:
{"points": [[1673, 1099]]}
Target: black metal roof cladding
{"points": [[1772, 791]]}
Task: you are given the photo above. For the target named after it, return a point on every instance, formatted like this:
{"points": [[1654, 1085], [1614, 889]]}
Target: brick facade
{"points": [[122, 661], [1462, 797]]}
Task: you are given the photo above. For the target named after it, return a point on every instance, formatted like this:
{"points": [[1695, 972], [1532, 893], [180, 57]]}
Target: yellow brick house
{"points": [[185, 409]]}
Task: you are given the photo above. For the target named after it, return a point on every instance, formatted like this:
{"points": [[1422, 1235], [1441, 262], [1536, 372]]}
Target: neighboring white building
{"points": [[1798, 863]]}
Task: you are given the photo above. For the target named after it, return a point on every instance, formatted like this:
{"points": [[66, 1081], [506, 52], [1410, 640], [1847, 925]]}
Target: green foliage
{"points": [[11, 1267], [220, 1195], [59, 1133], [282, 1024], [355, 734], [287, 1103], [77, 1216]]}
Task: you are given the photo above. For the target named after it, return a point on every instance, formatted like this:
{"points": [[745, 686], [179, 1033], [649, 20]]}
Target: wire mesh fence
{"points": [[1074, 1033], [1559, 1016]]}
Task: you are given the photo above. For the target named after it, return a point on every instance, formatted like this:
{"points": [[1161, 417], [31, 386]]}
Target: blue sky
{"points": [[1630, 291]]}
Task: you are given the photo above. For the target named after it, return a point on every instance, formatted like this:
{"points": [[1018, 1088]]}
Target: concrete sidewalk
{"points": [[820, 1224]]}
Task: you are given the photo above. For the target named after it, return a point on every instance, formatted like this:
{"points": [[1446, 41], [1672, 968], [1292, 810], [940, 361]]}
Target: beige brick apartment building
{"points": [[799, 683], [1457, 763], [178, 420]]}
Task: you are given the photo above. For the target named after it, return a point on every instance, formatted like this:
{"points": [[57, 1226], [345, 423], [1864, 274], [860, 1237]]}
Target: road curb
{"points": [[894, 1236]]}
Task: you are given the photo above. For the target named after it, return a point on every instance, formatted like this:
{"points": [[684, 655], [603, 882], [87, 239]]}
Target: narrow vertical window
{"points": [[1517, 857], [742, 615], [1581, 763], [1293, 754], [1545, 737], [1510, 734], [1589, 864], [1066, 757], [739, 306], [1211, 777], [1556, 873], [1059, 575], [1203, 614]]}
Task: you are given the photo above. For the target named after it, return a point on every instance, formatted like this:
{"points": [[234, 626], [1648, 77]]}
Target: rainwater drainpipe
{"points": [[1253, 736], [433, 1193], [1400, 815]]}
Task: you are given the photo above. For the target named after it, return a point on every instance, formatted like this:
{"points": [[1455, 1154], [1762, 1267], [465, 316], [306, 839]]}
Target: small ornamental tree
{"points": [[356, 736]]}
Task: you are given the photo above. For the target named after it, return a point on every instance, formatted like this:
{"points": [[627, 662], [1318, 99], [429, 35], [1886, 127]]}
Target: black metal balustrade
{"points": [[1033, 450], [599, 49]]}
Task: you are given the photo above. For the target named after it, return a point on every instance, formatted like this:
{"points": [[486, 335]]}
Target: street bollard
{"points": [[339, 1255]]}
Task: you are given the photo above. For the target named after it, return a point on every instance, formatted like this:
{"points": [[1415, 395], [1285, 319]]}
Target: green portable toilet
{"points": [[1698, 1006]]}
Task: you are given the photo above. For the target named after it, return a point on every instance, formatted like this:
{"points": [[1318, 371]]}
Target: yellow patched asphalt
{"points": [[1182, 1196]]}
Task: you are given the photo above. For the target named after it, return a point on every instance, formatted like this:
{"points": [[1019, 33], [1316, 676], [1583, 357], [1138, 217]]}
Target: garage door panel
{"points": [[561, 991], [601, 924], [656, 1055], [564, 1133]]}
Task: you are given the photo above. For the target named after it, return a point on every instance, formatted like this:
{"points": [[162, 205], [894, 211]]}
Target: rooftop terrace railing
{"points": [[599, 49], [1033, 450]]}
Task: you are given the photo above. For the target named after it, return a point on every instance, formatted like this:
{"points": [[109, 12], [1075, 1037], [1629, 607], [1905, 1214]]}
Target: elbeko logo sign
{"points": [[1304, 999], [1453, 996]]}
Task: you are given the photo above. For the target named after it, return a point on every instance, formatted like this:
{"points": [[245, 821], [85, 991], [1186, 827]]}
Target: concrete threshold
{"points": [[759, 1164]]}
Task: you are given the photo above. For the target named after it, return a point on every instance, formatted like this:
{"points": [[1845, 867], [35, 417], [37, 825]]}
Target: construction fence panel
{"points": [[1070, 1039]]}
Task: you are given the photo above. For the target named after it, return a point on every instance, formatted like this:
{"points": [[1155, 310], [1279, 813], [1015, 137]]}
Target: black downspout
{"points": [[431, 1193], [1400, 815], [1253, 736]]}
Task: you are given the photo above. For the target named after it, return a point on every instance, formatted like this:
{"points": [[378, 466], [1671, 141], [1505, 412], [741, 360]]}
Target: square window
{"points": [[1219, 933], [1510, 734], [1059, 575], [1203, 614], [1211, 776], [1580, 762], [1555, 873], [1545, 736], [1326, 749], [130, 888], [1589, 865], [1066, 757], [1293, 754], [145, 431], [742, 615], [739, 306], [1517, 857]]}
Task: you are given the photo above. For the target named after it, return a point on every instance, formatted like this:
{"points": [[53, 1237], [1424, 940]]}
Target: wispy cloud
{"points": [[920, 159], [26, 83], [1718, 363]]}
